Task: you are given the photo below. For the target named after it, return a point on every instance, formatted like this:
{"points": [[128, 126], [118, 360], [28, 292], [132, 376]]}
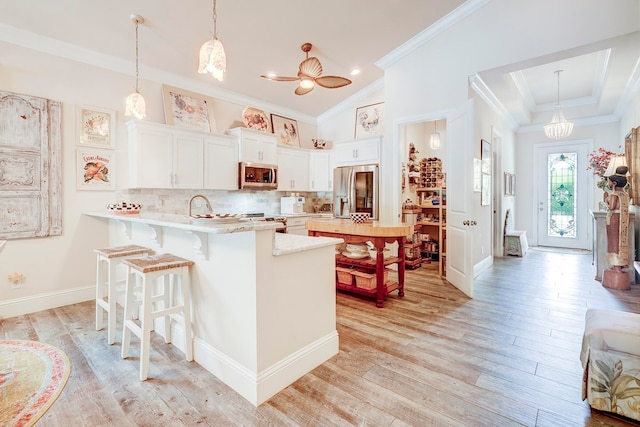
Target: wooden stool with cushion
{"points": [[111, 258], [174, 272]]}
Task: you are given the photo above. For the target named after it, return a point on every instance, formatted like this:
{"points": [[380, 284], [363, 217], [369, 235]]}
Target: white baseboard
{"points": [[258, 387], [34, 303], [482, 265]]}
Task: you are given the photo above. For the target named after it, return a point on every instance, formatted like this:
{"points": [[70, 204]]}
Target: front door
{"points": [[562, 199], [459, 262]]}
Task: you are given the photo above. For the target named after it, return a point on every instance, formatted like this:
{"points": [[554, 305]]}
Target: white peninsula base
{"points": [[264, 303]]}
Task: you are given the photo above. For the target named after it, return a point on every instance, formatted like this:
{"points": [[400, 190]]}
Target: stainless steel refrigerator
{"points": [[355, 189]]}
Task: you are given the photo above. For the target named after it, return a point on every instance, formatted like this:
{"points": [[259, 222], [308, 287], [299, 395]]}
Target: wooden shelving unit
{"points": [[412, 245], [433, 205], [366, 265]]}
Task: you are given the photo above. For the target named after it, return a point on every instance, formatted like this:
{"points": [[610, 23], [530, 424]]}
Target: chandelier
{"points": [[135, 105], [213, 60], [435, 137], [559, 127]]}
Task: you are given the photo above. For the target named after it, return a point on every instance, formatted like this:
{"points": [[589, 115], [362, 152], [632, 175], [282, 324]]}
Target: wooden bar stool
{"points": [[171, 269], [108, 261]]}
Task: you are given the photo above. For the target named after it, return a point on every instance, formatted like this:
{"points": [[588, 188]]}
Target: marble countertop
{"points": [[182, 222], [283, 244]]}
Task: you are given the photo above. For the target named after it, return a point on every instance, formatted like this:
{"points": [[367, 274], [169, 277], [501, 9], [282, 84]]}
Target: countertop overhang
{"points": [[283, 244]]}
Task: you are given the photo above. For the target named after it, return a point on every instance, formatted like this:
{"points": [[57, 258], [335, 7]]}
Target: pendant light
{"points": [[213, 60], [435, 137], [559, 127], [135, 105]]}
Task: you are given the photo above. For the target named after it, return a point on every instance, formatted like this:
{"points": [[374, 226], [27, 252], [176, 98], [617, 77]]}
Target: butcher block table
{"points": [[377, 233]]}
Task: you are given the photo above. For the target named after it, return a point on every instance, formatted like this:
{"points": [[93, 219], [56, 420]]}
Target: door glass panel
{"points": [[562, 177]]}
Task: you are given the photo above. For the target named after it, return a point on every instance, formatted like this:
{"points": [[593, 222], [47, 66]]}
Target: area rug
{"points": [[32, 376]]}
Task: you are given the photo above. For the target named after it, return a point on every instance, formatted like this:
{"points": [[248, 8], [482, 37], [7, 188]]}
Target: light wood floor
{"points": [[510, 356]]}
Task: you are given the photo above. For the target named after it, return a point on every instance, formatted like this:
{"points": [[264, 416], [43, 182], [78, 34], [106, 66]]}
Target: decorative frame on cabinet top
{"points": [[183, 108]]}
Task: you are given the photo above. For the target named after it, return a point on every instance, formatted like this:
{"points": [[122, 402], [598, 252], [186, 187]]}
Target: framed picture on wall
{"points": [[286, 130], [188, 109], [485, 198], [96, 127], [485, 155], [370, 120], [94, 169], [477, 175]]}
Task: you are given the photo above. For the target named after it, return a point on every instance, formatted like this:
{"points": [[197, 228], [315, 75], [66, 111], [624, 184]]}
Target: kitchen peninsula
{"points": [[379, 234], [264, 304]]}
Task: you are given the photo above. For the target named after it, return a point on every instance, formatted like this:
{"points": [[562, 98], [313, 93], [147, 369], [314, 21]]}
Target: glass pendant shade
{"points": [[135, 106], [213, 59], [435, 137], [559, 127], [435, 140]]}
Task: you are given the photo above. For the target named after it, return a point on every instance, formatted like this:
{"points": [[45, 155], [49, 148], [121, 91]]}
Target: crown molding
{"points": [[444, 23], [481, 88]]}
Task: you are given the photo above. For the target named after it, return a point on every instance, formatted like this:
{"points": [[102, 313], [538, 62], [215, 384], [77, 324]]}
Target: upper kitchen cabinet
{"points": [[162, 156], [293, 169], [358, 152], [255, 146], [321, 176], [220, 162]]}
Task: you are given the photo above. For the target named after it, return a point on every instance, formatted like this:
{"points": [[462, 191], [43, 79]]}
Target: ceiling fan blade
{"points": [[302, 90], [281, 79], [332, 82], [311, 67]]}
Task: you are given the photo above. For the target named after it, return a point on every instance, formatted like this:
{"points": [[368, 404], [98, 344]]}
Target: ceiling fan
{"points": [[309, 74]]}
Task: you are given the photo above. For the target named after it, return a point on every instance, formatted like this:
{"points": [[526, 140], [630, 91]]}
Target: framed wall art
{"points": [[477, 175], [94, 169], [370, 120], [286, 130], [96, 127], [485, 197], [254, 118], [485, 155], [187, 109]]}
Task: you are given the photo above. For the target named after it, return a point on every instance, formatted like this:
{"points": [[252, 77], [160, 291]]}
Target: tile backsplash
{"points": [[241, 201]]}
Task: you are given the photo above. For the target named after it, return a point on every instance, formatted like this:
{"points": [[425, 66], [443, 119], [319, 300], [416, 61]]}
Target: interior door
{"points": [[563, 195], [460, 200]]}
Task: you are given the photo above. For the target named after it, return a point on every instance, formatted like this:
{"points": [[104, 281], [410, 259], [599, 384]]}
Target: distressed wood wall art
{"points": [[30, 167]]}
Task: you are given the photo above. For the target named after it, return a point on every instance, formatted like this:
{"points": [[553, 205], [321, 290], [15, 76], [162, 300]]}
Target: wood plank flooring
{"points": [[508, 357]]}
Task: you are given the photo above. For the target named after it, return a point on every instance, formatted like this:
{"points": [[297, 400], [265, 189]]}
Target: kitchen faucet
{"points": [[206, 202]]}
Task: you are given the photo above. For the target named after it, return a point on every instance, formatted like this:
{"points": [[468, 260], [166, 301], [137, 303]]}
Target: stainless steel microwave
{"points": [[257, 176]]}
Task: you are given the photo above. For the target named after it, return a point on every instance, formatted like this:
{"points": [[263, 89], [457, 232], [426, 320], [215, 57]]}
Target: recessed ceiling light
{"points": [[355, 72]]}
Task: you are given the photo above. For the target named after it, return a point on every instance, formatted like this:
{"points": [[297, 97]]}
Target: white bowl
{"points": [[357, 248], [360, 217]]}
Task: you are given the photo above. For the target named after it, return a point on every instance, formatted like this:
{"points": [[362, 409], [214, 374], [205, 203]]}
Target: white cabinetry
{"points": [[220, 162], [162, 156], [255, 146], [321, 176], [293, 169], [359, 152]]}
